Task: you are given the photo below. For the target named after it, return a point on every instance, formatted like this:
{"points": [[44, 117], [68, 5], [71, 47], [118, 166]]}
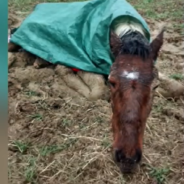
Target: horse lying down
{"points": [[88, 85], [131, 74]]}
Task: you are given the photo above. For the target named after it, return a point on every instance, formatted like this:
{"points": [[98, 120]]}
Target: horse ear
{"points": [[157, 43], [115, 43]]}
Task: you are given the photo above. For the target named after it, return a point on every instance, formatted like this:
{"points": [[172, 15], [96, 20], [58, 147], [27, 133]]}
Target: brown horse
{"points": [[131, 79]]}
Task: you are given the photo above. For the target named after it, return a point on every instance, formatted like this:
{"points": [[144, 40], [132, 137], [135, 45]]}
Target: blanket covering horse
{"points": [[75, 34]]}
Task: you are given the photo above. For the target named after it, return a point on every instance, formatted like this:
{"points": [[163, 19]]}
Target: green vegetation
{"points": [[159, 174], [21, 146], [177, 76]]}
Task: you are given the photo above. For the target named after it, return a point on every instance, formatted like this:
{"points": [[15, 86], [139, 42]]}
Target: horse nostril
{"points": [[119, 156], [137, 157]]}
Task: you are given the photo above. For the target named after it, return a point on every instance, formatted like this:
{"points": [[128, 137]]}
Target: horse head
{"points": [[130, 79]]}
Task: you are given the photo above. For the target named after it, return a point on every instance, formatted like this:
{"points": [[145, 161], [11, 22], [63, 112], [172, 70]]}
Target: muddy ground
{"points": [[58, 139]]}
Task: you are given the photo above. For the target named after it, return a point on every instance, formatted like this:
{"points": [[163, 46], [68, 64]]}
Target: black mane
{"points": [[134, 43]]}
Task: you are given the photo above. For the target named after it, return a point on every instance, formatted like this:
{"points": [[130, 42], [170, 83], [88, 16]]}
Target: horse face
{"points": [[131, 80], [131, 100]]}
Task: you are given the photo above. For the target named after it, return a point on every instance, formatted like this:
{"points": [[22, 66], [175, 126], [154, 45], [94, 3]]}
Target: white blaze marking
{"points": [[130, 75]]}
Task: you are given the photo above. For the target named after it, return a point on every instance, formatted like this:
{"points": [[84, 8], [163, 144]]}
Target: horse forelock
{"points": [[134, 43]]}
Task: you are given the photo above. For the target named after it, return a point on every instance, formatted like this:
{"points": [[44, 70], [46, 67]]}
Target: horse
{"points": [[131, 87]]}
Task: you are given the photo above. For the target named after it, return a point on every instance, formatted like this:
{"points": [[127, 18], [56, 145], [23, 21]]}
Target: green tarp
{"points": [[74, 34]]}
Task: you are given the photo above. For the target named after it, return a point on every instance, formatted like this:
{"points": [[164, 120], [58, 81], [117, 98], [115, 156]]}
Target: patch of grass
{"points": [[47, 150], [44, 151], [28, 5], [157, 108], [178, 26], [30, 170], [106, 143], [122, 180], [37, 116], [82, 125], [159, 174], [158, 9], [9, 172], [147, 1], [66, 122], [99, 120], [31, 93], [69, 142], [177, 76], [22, 147]]}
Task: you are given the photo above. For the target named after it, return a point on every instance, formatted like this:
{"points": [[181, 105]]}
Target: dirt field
{"points": [[57, 139]]}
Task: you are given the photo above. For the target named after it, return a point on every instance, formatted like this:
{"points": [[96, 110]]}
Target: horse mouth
{"points": [[127, 168]]}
